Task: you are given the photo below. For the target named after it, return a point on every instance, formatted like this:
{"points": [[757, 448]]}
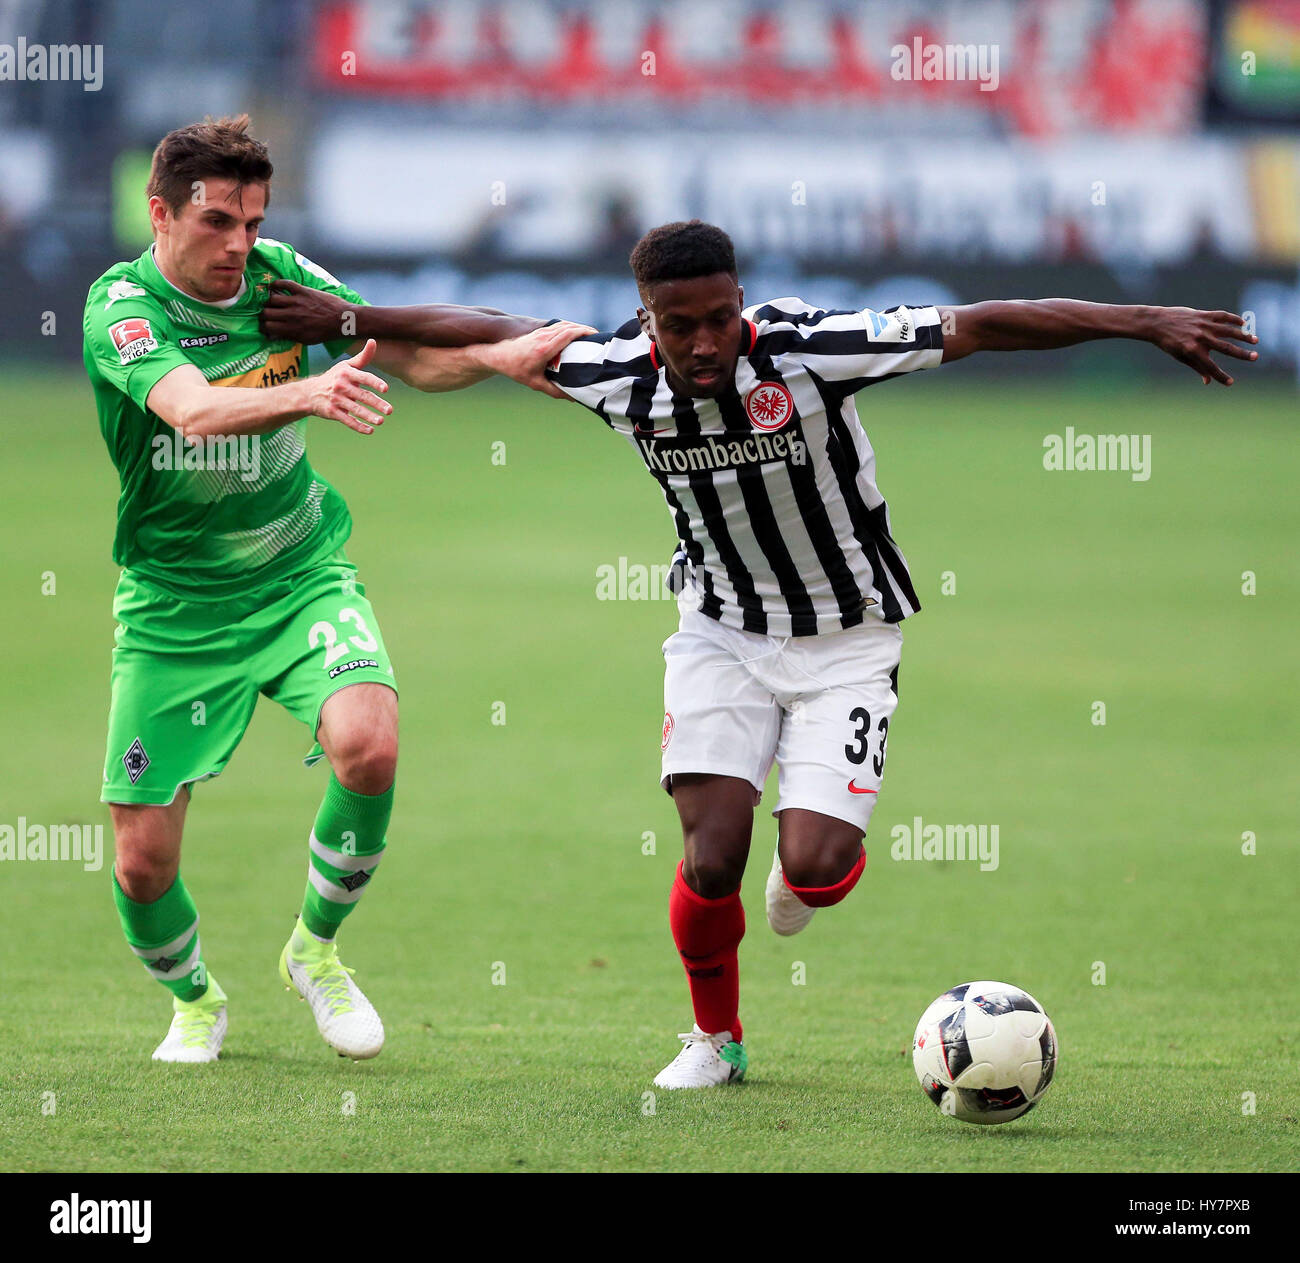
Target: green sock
{"points": [[164, 934], [347, 844]]}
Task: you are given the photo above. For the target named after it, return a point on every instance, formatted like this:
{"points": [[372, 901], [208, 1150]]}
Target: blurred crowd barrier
{"points": [[510, 152]]}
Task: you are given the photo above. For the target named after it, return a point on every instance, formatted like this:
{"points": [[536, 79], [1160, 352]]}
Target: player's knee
{"points": [[144, 877], [712, 868], [825, 866], [367, 763]]}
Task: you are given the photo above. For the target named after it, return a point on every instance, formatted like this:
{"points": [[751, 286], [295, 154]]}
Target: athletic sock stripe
{"points": [[181, 969], [332, 890], [167, 949], [341, 859]]}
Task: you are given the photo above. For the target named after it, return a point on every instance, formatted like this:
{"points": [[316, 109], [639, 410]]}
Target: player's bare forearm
{"points": [[308, 315], [433, 369], [523, 359], [344, 393], [1188, 335]]}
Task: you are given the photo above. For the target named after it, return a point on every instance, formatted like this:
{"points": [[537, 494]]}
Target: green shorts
{"points": [[187, 674]]}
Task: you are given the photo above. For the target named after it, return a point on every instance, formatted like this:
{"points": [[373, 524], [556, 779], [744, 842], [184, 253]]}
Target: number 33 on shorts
{"points": [[868, 740]]}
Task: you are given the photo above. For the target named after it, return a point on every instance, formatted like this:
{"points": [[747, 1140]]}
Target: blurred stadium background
{"points": [[509, 152]]}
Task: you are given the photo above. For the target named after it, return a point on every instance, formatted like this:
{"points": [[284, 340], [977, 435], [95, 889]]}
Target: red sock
{"points": [[825, 896], [707, 933]]}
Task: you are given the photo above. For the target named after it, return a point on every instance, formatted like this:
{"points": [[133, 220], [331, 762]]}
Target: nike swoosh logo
{"points": [[853, 789]]}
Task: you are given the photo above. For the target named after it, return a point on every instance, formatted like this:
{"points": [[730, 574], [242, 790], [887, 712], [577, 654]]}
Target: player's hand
{"points": [[303, 314], [525, 358], [348, 394], [1189, 336]]}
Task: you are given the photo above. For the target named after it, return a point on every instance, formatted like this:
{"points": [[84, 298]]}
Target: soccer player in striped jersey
{"points": [[793, 587]]}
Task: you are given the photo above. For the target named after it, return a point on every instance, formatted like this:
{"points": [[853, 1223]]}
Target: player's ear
{"points": [[740, 296], [159, 212], [647, 323]]}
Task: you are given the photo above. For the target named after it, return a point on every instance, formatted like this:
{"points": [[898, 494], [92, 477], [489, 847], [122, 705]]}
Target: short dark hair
{"points": [[676, 252], [218, 148]]}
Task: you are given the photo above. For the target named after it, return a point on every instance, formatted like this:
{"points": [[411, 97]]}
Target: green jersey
{"points": [[207, 519]]}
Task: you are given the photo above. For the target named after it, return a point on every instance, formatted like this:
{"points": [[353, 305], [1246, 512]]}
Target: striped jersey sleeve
{"points": [[591, 370], [850, 348]]}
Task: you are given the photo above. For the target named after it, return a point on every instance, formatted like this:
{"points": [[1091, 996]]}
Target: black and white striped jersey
{"points": [[772, 485]]}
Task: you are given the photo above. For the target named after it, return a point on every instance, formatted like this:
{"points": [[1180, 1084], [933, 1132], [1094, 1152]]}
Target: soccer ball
{"points": [[985, 1052]]}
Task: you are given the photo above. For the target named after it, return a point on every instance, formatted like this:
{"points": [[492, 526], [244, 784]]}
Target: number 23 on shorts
{"points": [[324, 632]]}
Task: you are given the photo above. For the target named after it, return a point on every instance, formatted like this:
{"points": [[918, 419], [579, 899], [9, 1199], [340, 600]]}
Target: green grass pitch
{"points": [[523, 845]]}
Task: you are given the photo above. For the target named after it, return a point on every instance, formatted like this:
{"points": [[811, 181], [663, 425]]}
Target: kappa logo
{"points": [[132, 338], [668, 730], [136, 760], [188, 344], [355, 665], [769, 406]]}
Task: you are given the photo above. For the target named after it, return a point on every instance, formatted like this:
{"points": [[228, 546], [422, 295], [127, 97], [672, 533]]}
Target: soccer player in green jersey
{"points": [[235, 582]]}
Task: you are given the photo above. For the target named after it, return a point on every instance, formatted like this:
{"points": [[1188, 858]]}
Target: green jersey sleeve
{"points": [[298, 267], [129, 339]]}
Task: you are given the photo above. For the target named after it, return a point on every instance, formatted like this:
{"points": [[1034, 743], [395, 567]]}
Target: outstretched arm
{"points": [[1042, 324], [435, 347], [312, 315]]}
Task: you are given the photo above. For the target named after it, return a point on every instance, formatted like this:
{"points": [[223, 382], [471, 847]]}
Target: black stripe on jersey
{"points": [[778, 315], [711, 605], [893, 558], [767, 531], [578, 375], [706, 496], [715, 523], [571, 376], [687, 422], [599, 410], [889, 604], [844, 461], [848, 596], [928, 338]]}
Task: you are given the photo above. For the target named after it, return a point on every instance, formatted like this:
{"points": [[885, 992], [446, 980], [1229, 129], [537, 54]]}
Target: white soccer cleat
{"points": [[786, 912], [197, 1028], [346, 1020], [705, 1061]]}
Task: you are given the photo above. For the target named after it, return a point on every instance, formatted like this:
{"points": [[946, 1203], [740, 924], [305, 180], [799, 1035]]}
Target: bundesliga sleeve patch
{"points": [[132, 338]]}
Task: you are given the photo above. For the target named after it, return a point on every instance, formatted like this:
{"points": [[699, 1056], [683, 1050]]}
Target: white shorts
{"points": [[819, 706]]}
